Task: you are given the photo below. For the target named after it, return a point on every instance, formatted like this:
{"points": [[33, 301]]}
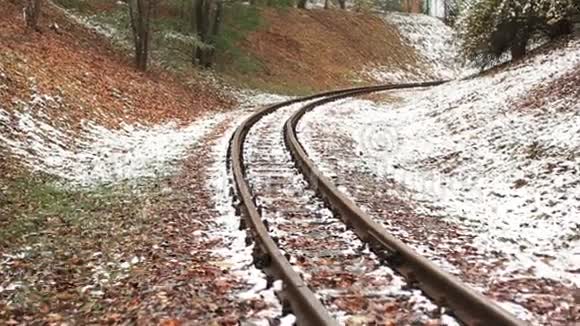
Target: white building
{"points": [[436, 8]]}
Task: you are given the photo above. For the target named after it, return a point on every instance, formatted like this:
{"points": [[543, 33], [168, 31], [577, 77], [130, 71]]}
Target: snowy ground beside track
{"points": [[98, 155], [435, 45], [509, 175]]}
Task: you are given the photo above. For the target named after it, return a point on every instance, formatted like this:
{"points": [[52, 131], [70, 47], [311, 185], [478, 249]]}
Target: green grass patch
{"points": [[34, 205], [239, 20], [291, 89], [57, 235]]}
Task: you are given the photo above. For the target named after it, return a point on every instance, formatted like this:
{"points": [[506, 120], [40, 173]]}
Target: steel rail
{"points": [[307, 308], [467, 305]]}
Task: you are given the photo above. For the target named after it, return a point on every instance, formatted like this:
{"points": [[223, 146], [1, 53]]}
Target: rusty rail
{"points": [[307, 308], [467, 305]]}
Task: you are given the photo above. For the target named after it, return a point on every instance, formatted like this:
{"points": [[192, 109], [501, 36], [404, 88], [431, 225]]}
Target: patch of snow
{"points": [[319, 4], [517, 310], [98, 155], [183, 38], [389, 75], [288, 320], [96, 25], [434, 42], [436, 8], [90, 23], [256, 99], [509, 176], [449, 321], [11, 287], [237, 255]]}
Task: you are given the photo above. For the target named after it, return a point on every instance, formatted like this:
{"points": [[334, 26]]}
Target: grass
{"points": [[290, 89], [58, 235], [28, 204], [33, 204], [239, 20]]}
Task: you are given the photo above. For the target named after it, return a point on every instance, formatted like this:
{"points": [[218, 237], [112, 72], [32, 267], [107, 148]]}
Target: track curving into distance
{"points": [[305, 299]]}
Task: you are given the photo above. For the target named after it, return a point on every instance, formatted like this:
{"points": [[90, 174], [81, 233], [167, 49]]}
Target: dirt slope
{"points": [[320, 49], [89, 79]]}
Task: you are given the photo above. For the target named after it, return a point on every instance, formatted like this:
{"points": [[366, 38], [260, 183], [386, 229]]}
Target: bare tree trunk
{"points": [[32, 14], [301, 4], [140, 12], [325, 4], [202, 13], [518, 47], [215, 29], [147, 6], [207, 15], [342, 4], [196, 15]]}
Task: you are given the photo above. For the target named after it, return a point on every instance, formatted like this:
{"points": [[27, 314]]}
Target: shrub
{"points": [[490, 28]]}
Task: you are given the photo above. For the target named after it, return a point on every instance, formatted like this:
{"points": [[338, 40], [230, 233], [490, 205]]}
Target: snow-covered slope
{"points": [[513, 173], [434, 43], [470, 152]]}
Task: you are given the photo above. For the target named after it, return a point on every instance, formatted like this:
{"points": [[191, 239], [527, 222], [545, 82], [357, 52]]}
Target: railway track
{"points": [[328, 272]]}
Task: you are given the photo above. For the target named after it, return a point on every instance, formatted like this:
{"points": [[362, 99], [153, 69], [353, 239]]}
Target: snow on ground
{"points": [[98, 155], [509, 175], [237, 255], [434, 42], [391, 75], [98, 25]]}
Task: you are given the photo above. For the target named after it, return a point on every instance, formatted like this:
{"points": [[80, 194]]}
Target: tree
{"points": [[490, 28], [140, 13], [301, 4], [207, 18], [32, 13]]}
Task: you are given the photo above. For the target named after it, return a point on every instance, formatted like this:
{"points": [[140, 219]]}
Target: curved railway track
{"points": [[443, 289]]}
